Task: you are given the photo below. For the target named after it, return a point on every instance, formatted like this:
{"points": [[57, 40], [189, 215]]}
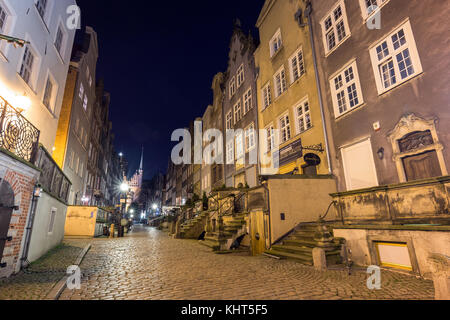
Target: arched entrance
{"points": [[6, 209]]}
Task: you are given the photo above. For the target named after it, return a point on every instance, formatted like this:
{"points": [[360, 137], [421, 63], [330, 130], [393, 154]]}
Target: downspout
{"points": [[266, 188], [29, 229], [308, 11]]}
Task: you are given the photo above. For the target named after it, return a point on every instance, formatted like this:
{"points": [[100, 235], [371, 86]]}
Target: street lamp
{"points": [[154, 206], [124, 187]]}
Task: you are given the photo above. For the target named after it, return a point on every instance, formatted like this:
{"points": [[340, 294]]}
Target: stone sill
{"points": [[423, 227]]}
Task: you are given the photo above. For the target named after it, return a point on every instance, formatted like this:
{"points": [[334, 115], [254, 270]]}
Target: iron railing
{"points": [[17, 134]]}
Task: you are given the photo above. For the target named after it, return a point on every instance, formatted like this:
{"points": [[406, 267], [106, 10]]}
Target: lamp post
{"points": [[124, 188]]}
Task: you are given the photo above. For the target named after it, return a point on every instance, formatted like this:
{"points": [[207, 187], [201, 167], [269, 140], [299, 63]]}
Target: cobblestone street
{"points": [[147, 264]]}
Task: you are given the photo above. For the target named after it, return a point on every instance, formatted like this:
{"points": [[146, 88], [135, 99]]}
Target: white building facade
{"points": [[33, 77]]}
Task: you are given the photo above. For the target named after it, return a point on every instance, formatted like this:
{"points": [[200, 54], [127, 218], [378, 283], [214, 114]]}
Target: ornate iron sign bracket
{"points": [[315, 147]]}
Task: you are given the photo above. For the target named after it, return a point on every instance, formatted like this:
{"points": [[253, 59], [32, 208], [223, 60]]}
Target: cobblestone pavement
{"points": [[147, 264], [39, 278]]}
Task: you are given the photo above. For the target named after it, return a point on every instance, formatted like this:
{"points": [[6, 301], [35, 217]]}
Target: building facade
{"points": [[287, 92], [241, 112], [72, 144], [384, 91]]}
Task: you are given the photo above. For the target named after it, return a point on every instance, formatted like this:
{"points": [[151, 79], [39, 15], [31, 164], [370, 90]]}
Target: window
{"points": [[85, 102], [26, 69], [81, 170], [280, 82], [335, 27], [82, 134], [297, 65], [41, 5], [59, 40], [229, 120], [395, 59], [240, 76], [3, 17], [71, 160], [232, 87], [81, 93], [52, 218], [346, 90], [275, 43], [248, 100], [230, 152], [368, 7], [237, 112], [239, 146], [77, 165], [270, 138], [303, 114], [90, 81], [48, 93], [285, 129], [267, 96], [250, 137]]}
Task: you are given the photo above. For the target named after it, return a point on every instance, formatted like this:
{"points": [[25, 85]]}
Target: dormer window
{"points": [[275, 43]]}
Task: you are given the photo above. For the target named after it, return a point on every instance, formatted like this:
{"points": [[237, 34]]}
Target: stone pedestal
{"points": [[319, 258], [440, 265]]}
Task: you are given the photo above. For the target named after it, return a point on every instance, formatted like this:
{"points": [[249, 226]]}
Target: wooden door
{"points": [[422, 166], [6, 208]]}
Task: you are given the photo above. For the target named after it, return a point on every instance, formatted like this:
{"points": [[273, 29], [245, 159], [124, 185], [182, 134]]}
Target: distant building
{"points": [[241, 112], [73, 146], [135, 181]]}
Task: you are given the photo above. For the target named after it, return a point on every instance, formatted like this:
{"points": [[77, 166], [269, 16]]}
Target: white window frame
{"points": [[250, 135], [275, 43], [51, 221], [72, 159], [51, 99], [25, 69], [286, 128], [229, 119], [240, 76], [341, 77], [232, 86], [230, 152], [42, 8], [306, 112], [85, 102], [62, 46], [81, 91], [378, 62], [237, 110], [364, 9], [279, 90], [4, 15], [270, 137], [333, 28], [248, 100], [266, 96], [239, 145], [297, 65]]}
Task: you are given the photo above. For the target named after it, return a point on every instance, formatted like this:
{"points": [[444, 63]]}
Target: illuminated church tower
{"points": [[136, 179]]}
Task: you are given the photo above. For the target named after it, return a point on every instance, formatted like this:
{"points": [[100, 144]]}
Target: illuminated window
{"points": [[237, 112]]}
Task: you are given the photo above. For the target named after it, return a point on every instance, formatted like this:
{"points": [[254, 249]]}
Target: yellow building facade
{"points": [[287, 92]]}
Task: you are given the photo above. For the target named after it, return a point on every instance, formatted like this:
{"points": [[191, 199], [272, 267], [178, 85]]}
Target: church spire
{"points": [[141, 166]]}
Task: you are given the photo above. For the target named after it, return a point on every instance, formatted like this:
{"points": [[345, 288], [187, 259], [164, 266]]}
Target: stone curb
{"points": [[57, 290]]}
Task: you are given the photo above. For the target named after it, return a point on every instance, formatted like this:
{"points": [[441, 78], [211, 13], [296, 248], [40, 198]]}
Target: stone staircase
{"points": [[221, 240], [194, 227], [299, 245]]}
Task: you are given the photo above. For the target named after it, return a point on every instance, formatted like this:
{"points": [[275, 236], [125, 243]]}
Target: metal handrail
{"points": [[17, 134], [239, 197], [328, 210]]}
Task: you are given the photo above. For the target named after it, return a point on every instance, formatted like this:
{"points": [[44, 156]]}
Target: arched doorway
{"points": [[6, 209]]}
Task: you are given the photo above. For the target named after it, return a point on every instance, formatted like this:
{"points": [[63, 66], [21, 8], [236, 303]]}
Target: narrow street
{"points": [[147, 264]]}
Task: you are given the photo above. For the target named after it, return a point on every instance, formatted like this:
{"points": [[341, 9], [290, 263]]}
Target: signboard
{"points": [[291, 152], [312, 159]]}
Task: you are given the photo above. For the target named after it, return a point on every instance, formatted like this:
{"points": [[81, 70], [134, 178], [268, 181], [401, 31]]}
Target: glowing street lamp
{"points": [[154, 206], [124, 187], [131, 211]]}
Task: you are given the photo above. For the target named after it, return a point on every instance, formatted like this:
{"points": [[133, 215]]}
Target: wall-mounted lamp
{"points": [[37, 191], [380, 153]]}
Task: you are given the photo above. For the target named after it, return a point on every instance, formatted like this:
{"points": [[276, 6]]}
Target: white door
{"points": [[359, 166]]}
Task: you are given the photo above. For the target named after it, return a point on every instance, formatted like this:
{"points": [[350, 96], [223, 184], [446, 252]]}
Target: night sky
{"points": [[158, 59]]}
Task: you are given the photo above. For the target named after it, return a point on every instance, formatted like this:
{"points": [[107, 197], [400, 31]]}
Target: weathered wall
{"points": [[81, 221], [41, 239], [301, 199], [421, 201], [423, 242]]}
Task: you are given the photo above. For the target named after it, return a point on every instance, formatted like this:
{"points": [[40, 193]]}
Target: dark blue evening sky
{"points": [[158, 59]]}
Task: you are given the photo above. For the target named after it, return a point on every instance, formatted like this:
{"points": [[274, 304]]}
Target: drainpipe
{"points": [[266, 188], [29, 229], [308, 11]]}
